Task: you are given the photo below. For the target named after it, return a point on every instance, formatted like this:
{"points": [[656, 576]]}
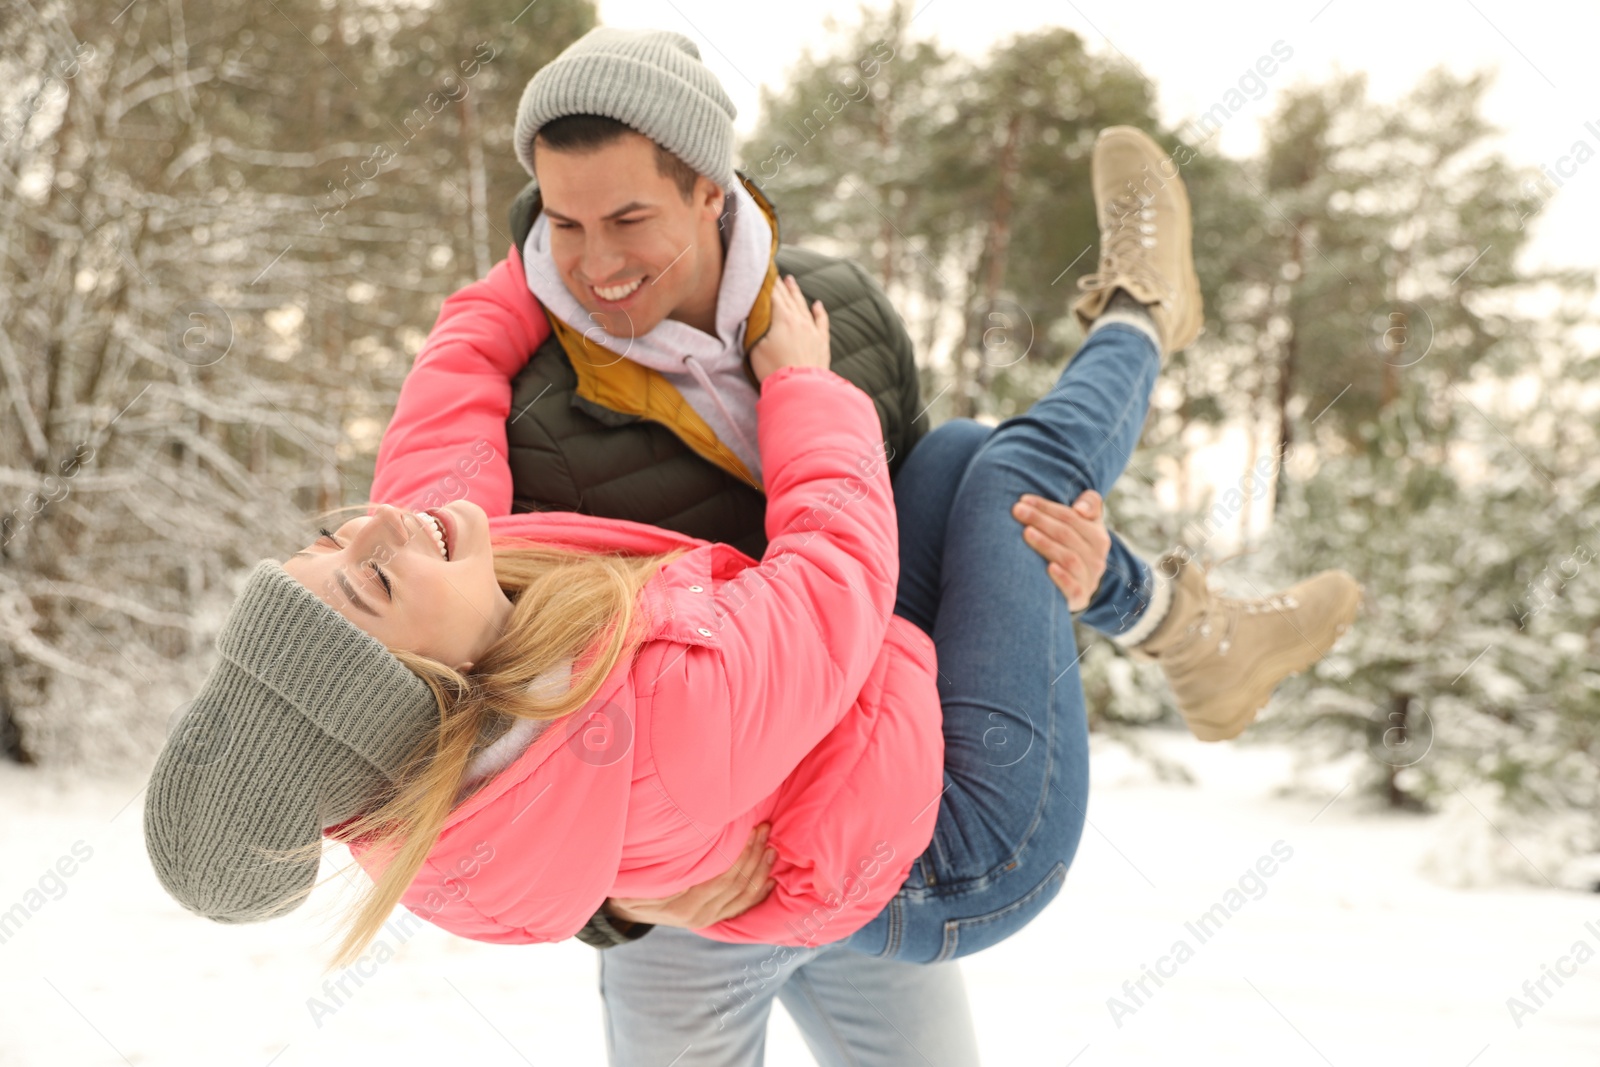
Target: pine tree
{"points": [[1469, 519]]}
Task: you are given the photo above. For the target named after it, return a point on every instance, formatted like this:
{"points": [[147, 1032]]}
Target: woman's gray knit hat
{"points": [[304, 723], [652, 80]]}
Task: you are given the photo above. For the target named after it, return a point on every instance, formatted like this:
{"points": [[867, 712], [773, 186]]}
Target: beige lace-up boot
{"points": [[1144, 237], [1223, 656]]}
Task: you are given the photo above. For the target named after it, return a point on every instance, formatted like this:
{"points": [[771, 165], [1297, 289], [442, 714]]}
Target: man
{"points": [[607, 359]]}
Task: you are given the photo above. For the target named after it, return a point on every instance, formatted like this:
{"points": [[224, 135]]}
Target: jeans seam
{"points": [[953, 927], [605, 1011], [809, 992], [896, 917], [1010, 861], [927, 879]]}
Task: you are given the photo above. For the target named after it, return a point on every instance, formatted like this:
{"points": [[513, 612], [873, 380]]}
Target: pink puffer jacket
{"points": [[447, 440], [784, 692]]}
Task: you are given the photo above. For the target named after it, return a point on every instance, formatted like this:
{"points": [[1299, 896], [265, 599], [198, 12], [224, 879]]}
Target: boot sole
{"points": [[1267, 676]]}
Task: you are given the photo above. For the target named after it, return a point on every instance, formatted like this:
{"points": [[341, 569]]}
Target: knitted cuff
{"points": [[1154, 614], [608, 931]]}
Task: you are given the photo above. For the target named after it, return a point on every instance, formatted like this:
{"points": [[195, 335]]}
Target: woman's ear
{"points": [[463, 668]]}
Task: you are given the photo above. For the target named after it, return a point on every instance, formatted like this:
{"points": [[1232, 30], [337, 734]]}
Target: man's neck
{"points": [[700, 309]]}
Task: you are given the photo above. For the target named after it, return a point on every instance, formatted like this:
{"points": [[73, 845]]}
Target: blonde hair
{"points": [[567, 607]]}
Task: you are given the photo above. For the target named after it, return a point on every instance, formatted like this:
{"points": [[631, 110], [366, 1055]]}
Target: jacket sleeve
{"points": [[797, 634], [447, 439]]}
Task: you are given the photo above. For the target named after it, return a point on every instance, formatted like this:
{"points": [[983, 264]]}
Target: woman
{"points": [[713, 695]]}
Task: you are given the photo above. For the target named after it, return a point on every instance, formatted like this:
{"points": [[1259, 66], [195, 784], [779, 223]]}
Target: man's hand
{"points": [[1074, 540], [798, 335], [736, 890]]}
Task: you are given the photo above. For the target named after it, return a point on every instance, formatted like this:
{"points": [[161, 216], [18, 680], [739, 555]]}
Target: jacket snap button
{"points": [[695, 589], [703, 632]]}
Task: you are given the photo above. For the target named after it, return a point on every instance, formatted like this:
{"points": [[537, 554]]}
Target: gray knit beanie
{"points": [[304, 722], [652, 80]]}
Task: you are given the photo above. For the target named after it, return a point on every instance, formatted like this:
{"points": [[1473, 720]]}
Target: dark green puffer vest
{"points": [[569, 453]]}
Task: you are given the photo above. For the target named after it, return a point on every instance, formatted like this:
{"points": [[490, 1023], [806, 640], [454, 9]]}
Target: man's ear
{"points": [[711, 197]]}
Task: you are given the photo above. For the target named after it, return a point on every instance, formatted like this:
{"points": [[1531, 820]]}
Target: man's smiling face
{"points": [[628, 245]]}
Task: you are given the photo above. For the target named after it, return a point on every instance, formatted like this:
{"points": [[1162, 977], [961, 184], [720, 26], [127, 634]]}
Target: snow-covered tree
{"points": [[224, 229]]}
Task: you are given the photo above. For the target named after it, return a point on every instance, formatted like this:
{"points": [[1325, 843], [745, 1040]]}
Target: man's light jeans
{"points": [[676, 998]]}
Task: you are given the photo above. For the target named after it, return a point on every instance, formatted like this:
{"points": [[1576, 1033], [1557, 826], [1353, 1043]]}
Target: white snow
{"points": [[1348, 957]]}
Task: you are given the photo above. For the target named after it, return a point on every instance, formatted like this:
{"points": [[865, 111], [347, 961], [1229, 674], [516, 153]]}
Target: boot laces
{"points": [[1129, 232], [1234, 608], [1229, 610]]}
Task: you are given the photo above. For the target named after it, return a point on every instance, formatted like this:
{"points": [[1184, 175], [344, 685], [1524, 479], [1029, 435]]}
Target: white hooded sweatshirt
{"points": [[708, 371]]}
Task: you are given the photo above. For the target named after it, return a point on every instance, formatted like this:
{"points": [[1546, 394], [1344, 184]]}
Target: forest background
{"points": [[226, 230]]}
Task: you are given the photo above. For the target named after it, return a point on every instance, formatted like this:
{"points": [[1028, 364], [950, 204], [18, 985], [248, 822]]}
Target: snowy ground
{"points": [[1345, 957]]}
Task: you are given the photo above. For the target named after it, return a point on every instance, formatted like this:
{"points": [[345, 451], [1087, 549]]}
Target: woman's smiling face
{"points": [[419, 581]]}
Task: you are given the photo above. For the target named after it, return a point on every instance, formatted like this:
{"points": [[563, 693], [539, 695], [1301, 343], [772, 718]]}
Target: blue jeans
{"points": [[923, 502], [1016, 738], [674, 997]]}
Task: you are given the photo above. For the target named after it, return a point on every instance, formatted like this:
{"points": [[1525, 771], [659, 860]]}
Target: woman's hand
{"points": [[797, 336], [1074, 540], [734, 891]]}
